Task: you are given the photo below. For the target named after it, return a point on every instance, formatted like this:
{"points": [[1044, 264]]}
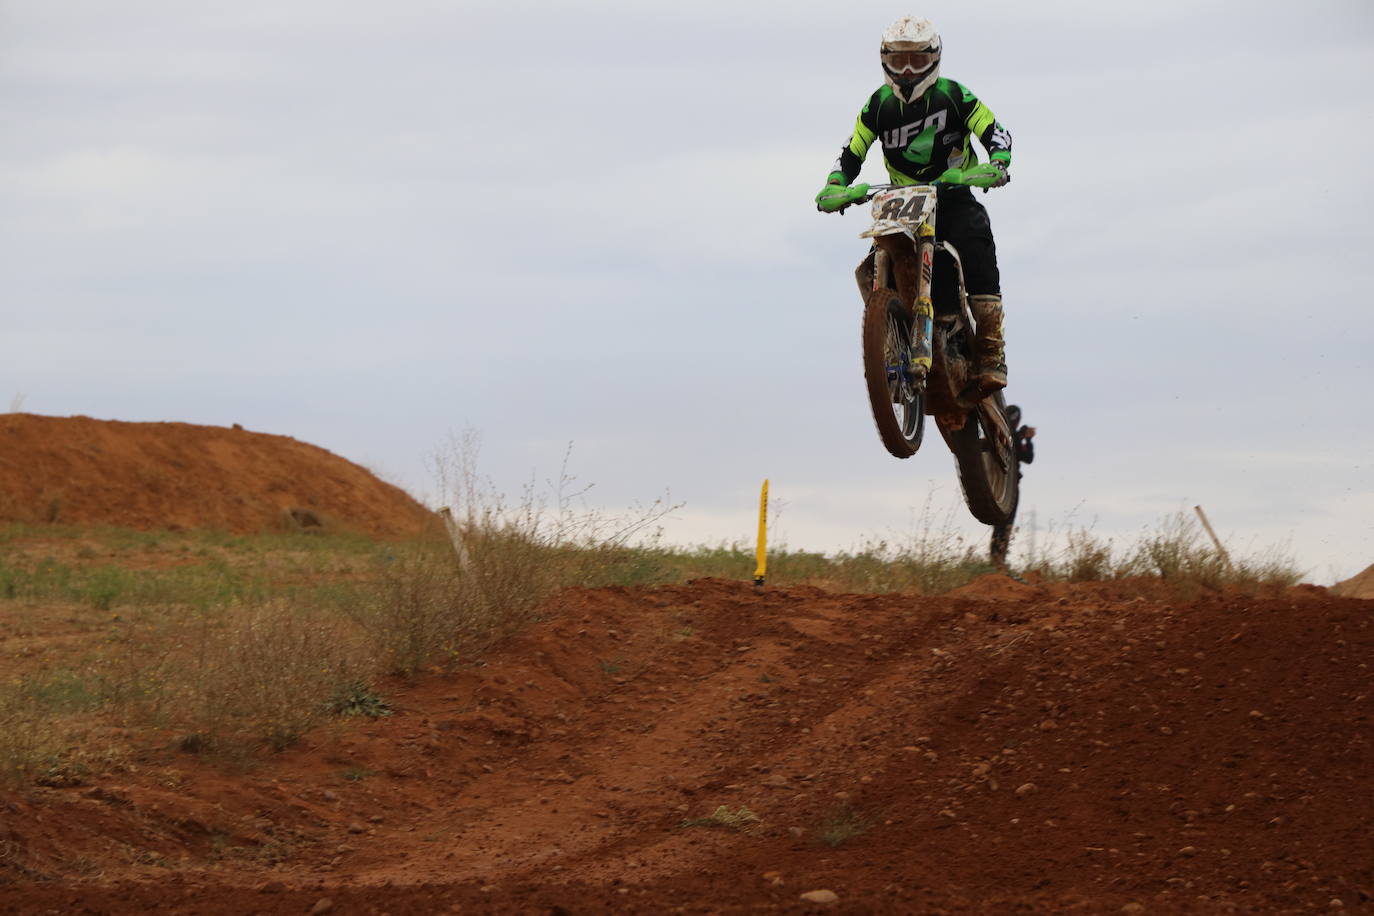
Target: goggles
{"points": [[909, 61]]}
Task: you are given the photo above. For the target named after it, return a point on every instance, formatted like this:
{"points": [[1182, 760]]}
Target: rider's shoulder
{"points": [[877, 100], [954, 90]]}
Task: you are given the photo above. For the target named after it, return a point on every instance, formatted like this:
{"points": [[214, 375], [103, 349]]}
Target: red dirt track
{"points": [[1011, 748]]}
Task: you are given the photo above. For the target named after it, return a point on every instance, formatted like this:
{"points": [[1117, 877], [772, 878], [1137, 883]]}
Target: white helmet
{"points": [[911, 57]]}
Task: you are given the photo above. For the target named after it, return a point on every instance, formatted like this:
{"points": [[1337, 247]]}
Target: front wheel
{"points": [[989, 469], [895, 396]]}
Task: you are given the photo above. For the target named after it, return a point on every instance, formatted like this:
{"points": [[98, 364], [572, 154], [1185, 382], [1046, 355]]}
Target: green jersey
{"points": [[922, 139]]}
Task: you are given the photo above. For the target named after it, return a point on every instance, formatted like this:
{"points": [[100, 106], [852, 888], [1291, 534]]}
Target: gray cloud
{"points": [[365, 226]]}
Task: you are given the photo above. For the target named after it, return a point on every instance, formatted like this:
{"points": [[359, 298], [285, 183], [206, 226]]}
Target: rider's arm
{"points": [[978, 118], [852, 156]]}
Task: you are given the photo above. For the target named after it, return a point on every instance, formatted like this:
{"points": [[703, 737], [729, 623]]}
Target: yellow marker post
{"points": [[762, 569]]}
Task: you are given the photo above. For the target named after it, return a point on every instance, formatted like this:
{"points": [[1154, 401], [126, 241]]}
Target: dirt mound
{"points": [[997, 586], [701, 748], [177, 475], [1357, 586]]}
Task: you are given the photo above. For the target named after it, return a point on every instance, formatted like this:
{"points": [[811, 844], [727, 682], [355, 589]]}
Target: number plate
{"points": [[905, 204]]}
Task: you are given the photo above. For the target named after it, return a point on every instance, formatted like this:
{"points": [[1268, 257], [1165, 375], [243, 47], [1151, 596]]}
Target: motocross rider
{"points": [[925, 123]]}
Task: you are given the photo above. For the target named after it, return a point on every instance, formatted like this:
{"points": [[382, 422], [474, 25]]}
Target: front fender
{"points": [[863, 274], [888, 227]]}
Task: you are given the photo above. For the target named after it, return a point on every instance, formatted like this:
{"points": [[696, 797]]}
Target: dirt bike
{"points": [[919, 357]]}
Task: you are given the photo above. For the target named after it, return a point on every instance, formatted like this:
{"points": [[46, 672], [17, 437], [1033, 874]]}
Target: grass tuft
{"points": [[1175, 551], [359, 699], [726, 817], [29, 744], [842, 824]]}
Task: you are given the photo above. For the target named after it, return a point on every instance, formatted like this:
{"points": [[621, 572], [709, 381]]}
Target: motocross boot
{"points": [[988, 344]]}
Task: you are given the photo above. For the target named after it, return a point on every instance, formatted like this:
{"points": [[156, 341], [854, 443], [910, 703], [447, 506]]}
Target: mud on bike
{"points": [[919, 358]]}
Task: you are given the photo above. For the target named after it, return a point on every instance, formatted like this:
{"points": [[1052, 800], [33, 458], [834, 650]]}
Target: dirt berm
{"points": [[178, 475], [1360, 585], [701, 749]]}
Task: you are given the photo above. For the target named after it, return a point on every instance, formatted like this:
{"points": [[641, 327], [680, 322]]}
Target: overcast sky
{"points": [[371, 225]]}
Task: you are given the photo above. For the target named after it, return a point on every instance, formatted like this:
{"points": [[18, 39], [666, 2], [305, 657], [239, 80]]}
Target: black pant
{"points": [[963, 221]]}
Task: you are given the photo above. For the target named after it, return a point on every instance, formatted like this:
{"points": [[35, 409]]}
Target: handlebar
{"points": [[950, 177]]}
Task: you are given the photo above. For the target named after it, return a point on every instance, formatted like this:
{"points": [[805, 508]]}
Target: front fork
{"points": [[909, 263], [924, 311]]}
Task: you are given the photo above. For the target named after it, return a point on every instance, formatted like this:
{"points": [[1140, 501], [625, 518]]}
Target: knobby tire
{"points": [[898, 410], [991, 481]]}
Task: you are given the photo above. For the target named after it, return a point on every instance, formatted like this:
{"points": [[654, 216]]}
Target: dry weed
{"points": [[411, 611], [1175, 551], [29, 744], [442, 603], [268, 676]]}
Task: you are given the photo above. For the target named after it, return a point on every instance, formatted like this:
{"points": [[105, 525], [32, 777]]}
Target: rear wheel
{"points": [[898, 404], [985, 452]]}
